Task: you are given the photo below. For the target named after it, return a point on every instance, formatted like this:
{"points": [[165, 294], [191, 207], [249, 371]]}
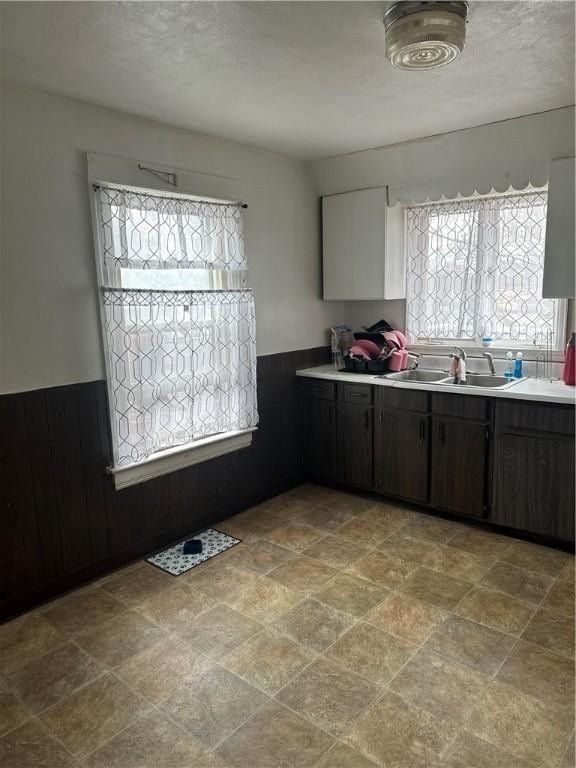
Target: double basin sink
{"points": [[482, 381]]}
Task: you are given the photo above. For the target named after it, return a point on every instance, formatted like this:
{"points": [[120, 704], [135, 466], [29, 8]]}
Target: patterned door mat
{"points": [[173, 561]]}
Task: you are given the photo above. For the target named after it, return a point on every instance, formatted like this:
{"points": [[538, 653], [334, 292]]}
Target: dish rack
{"points": [[373, 367], [545, 360]]}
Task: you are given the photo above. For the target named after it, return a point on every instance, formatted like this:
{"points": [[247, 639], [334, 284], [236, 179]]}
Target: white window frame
{"points": [[171, 459], [499, 349]]}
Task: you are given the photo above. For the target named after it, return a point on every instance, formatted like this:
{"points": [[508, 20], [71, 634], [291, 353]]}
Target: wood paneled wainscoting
{"points": [[62, 522]]}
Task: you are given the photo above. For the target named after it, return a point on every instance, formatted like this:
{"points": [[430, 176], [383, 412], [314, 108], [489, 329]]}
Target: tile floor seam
{"points": [[211, 659], [378, 699], [113, 667], [538, 647], [77, 690], [302, 716], [251, 717], [505, 751], [267, 693], [355, 622], [517, 568], [173, 633], [107, 671], [481, 624], [450, 613], [462, 725], [272, 696], [5, 673], [382, 686], [444, 658], [131, 606], [338, 738], [345, 669], [494, 679], [48, 731], [158, 709], [489, 589], [387, 688], [104, 671], [317, 654], [490, 678], [131, 724], [18, 725], [572, 735], [381, 691], [396, 591]]}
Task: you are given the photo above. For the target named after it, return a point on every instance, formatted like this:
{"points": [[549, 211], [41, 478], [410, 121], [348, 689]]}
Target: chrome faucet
{"points": [[462, 355], [490, 362], [459, 355], [414, 361]]}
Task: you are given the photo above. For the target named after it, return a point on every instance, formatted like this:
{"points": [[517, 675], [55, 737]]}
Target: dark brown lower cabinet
{"points": [[458, 470], [534, 484], [509, 462], [401, 453], [355, 445], [534, 468], [319, 446]]}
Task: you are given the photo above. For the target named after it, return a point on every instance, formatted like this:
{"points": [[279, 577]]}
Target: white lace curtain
{"points": [[179, 320], [475, 267]]}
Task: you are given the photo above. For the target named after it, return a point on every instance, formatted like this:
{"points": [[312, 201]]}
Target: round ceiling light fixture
{"points": [[425, 35]]}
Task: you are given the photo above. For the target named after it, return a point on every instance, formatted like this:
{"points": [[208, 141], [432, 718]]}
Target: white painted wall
{"points": [[510, 152], [50, 320], [500, 153]]}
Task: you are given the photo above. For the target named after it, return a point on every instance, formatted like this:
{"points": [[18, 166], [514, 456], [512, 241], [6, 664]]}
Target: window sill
{"points": [[183, 456]]}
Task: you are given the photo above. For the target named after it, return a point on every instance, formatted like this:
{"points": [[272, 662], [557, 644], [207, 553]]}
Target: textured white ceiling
{"points": [[304, 78]]}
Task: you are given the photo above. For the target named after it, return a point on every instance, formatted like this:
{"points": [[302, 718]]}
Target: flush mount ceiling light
{"points": [[424, 35]]}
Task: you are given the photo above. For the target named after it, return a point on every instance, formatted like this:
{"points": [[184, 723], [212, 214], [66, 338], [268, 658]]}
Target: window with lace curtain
{"points": [[475, 268], [178, 319]]}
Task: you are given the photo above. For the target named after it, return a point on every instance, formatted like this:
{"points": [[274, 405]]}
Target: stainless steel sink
{"points": [[417, 375], [473, 380], [484, 381]]}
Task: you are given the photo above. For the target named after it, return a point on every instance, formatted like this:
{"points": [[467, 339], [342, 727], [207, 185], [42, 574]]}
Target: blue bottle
{"points": [[518, 366], [509, 369]]}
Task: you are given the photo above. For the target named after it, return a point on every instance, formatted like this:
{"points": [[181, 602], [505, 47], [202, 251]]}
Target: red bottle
{"points": [[569, 374]]}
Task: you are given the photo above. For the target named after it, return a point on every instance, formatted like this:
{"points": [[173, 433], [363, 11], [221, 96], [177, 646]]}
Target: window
{"points": [[178, 320], [475, 267]]}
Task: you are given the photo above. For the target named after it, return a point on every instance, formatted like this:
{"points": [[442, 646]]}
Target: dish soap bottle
{"points": [[518, 366], [509, 369]]}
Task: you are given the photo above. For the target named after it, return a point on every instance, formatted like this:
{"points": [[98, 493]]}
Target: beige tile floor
{"points": [[341, 633]]}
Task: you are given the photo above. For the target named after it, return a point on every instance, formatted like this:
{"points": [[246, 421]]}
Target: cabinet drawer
{"points": [[323, 390], [534, 417], [406, 399], [461, 406], [361, 394]]}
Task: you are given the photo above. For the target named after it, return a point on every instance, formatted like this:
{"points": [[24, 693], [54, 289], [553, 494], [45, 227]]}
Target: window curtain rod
{"points": [[240, 203]]}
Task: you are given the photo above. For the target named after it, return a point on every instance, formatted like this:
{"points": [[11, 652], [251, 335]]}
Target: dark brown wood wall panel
{"points": [[66, 444], [61, 520], [36, 416], [20, 560], [94, 459]]}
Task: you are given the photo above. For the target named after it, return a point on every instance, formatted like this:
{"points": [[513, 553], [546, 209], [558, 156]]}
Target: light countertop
{"points": [[536, 390]]}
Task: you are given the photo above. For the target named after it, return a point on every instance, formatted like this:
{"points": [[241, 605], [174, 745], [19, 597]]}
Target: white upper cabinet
{"points": [[362, 247], [559, 275]]}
